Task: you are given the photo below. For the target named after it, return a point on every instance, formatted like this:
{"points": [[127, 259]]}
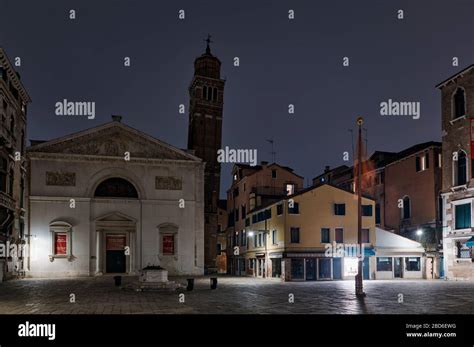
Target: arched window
{"points": [[204, 92], [406, 211], [116, 187], [459, 103], [214, 94], [460, 169]]}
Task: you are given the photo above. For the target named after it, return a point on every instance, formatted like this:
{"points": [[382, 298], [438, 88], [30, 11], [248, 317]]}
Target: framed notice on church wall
{"points": [[168, 244], [115, 242], [60, 244]]}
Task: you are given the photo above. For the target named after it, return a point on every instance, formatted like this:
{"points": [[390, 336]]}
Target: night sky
{"points": [[281, 62]]}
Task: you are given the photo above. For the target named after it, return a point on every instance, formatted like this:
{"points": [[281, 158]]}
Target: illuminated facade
{"points": [[311, 235], [94, 211]]}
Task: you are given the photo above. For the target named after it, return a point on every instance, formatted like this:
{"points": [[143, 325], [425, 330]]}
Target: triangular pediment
{"points": [[115, 217], [112, 140]]}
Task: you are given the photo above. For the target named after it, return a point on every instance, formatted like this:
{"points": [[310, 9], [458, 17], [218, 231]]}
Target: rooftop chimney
{"points": [[116, 118], [263, 163], [327, 168]]}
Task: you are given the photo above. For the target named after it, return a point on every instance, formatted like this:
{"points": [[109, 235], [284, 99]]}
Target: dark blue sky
{"points": [[282, 62]]}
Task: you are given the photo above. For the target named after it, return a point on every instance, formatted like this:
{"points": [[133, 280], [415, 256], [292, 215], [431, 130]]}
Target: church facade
{"points": [[112, 199]]}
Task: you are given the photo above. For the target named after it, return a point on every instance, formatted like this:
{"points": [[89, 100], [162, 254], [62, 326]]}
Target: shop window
{"points": [[412, 264], [297, 269], [324, 268], [384, 264]]}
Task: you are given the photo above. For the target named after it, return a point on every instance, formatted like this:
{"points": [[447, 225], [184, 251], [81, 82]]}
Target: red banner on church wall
{"points": [[60, 244], [168, 244]]}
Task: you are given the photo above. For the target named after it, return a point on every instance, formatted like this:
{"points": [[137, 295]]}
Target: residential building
{"points": [[406, 187], [14, 102], [457, 120], [300, 237], [412, 188], [253, 187]]}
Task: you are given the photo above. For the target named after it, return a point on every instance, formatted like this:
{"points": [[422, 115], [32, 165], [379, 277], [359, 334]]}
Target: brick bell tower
{"points": [[206, 93]]}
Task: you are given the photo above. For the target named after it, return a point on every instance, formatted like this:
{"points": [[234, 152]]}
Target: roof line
{"points": [[463, 71], [109, 125]]}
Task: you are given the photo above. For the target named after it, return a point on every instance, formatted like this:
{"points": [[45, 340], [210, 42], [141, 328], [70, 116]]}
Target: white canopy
{"points": [[387, 240]]}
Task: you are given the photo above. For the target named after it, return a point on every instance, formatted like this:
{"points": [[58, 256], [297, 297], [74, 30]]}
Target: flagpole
{"points": [[359, 285]]}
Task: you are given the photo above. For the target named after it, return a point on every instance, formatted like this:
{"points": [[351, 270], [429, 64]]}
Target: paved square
{"points": [[235, 295]]}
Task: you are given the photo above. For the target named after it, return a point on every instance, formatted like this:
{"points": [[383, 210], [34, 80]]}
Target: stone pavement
{"points": [[235, 295]]}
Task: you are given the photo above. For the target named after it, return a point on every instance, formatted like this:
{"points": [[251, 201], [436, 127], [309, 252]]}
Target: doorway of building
{"points": [[337, 266], [115, 260], [324, 269], [276, 267], [311, 269], [397, 267], [430, 268]]}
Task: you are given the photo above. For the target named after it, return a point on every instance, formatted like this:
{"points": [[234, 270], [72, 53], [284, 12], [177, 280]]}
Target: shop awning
{"points": [[470, 242]]}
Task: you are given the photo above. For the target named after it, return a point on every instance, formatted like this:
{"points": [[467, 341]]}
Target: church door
{"points": [[115, 254]]}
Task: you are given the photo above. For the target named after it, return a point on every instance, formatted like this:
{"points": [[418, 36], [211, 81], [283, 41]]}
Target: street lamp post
{"points": [[359, 286]]}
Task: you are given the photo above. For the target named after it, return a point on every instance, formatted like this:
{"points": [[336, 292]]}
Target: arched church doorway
{"points": [[116, 232]]}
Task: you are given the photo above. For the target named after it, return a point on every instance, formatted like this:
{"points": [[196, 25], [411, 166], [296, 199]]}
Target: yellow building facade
{"points": [[311, 235]]}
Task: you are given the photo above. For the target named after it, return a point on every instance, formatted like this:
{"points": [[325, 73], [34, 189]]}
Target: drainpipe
{"points": [[28, 204]]}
